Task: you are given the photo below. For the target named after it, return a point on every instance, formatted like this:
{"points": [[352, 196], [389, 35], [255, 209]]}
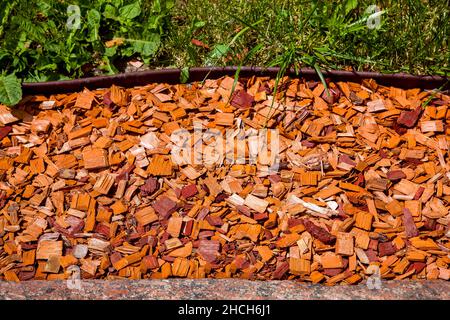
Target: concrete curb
{"points": [[217, 289]]}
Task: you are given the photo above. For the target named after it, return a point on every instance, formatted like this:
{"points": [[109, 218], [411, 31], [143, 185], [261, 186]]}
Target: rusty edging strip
{"points": [[172, 76]]}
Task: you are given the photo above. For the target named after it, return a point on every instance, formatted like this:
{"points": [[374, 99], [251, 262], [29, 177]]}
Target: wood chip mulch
{"points": [[87, 180]]}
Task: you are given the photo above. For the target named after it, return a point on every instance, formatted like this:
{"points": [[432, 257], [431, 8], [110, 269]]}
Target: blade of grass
{"points": [[288, 58], [240, 33], [322, 78], [247, 57], [431, 97]]}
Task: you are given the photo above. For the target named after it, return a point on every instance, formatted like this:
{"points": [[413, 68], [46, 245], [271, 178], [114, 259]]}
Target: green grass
{"points": [[35, 45], [413, 36]]}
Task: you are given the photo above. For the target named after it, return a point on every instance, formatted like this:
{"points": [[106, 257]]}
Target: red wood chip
{"points": [[202, 213], [260, 216], [107, 99], [214, 221], [151, 262], [168, 258], [188, 228], [308, 144], [331, 95], [408, 222], [372, 255], [274, 178], [26, 275], [102, 229], [125, 173], [280, 271], [164, 206], [242, 99], [409, 118], [4, 131], [209, 249], [114, 257], [346, 159], [205, 234], [240, 262], [419, 193], [244, 210], [373, 244], [395, 175], [150, 186], [189, 191], [292, 222], [331, 272], [417, 266], [319, 233], [386, 249], [430, 224]]}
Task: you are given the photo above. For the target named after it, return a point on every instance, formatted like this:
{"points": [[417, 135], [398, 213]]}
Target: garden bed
{"points": [[357, 187]]}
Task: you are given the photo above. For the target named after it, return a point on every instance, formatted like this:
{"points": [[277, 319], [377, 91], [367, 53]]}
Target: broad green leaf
{"points": [[200, 24], [116, 3], [350, 5], [149, 46], [156, 6], [154, 22], [219, 51], [10, 90], [93, 20], [130, 11], [108, 66], [111, 52], [127, 51], [44, 8], [110, 12], [169, 4], [50, 66], [36, 77], [184, 75]]}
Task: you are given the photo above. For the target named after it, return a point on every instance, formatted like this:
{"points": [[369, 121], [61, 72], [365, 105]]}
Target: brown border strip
{"points": [[198, 74]]}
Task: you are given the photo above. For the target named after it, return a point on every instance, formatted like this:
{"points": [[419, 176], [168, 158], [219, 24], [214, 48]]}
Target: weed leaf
{"points": [[350, 5], [130, 11], [10, 90], [184, 75], [147, 47], [93, 19], [219, 51]]}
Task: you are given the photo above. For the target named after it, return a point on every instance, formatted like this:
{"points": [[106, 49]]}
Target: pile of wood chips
{"points": [[87, 180]]}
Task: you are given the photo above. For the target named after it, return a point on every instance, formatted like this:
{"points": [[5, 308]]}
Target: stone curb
{"points": [[217, 289]]}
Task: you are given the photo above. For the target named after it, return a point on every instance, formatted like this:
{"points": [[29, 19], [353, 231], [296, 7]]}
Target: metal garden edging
{"points": [[172, 76]]}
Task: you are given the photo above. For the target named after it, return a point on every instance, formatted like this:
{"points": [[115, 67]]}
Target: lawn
{"points": [[46, 40]]}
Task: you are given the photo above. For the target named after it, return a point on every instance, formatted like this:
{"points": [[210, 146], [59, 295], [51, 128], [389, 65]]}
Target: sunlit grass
{"points": [[413, 35]]}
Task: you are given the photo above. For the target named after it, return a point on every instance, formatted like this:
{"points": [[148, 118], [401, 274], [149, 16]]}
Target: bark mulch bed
{"points": [[88, 180]]}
